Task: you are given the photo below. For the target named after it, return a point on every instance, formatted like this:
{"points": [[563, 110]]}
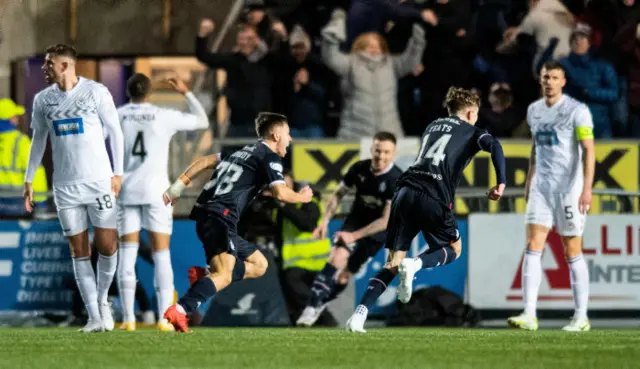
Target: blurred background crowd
{"points": [[349, 69]]}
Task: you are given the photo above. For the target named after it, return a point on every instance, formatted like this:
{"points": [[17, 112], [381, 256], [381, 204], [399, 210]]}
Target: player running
{"points": [[425, 196], [148, 130], [79, 113], [558, 192], [363, 232], [237, 179]]}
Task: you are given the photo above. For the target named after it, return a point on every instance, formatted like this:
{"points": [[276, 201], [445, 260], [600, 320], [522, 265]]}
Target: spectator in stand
{"points": [[502, 117], [303, 78], [369, 78], [249, 76], [447, 61], [366, 16], [546, 19], [591, 80], [270, 29], [628, 40]]}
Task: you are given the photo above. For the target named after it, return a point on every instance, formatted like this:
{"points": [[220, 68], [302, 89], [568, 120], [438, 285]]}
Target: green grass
{"points": [[319, 348]]}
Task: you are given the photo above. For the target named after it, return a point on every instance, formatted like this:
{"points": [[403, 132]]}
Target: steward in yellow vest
{"points": [[14, 156], [302, 255]]}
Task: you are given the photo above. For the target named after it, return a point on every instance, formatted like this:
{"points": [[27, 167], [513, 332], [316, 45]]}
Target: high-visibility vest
{"points": [[300, 249], [14, 157]]}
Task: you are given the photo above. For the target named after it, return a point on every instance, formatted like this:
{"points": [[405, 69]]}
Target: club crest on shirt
{"points": [[276, 166], [362, 178], [383, 186]]}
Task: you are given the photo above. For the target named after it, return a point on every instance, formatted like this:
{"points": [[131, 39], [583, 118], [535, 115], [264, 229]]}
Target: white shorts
{"points": [[156, 217], [556, 209], [82, 204]]}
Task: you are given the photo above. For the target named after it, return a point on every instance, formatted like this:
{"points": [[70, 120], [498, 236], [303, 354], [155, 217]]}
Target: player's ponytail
{"points": [[459, 98]]}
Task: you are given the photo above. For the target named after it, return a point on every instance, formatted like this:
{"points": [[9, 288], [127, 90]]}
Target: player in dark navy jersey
{"points": [[363, 232], [424, 199], [236, 181]]}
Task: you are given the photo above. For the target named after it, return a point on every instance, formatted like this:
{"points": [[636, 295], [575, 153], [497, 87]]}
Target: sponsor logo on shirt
{"points": [[65, 127]]}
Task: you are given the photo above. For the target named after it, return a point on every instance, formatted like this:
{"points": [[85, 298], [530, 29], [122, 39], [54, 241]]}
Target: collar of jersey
{"points": [[57, 87], [385, 171]]}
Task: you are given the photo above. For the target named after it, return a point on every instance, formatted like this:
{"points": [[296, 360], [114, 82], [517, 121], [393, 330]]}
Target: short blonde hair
{"points": [[459, 98]]}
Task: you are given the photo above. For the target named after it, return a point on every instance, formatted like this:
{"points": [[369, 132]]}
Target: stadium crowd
{"points": [[351, 68]]}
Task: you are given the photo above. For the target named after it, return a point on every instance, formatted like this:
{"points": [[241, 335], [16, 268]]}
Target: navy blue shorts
{"points": [[363, 249], [413, 211], [218, 236]]}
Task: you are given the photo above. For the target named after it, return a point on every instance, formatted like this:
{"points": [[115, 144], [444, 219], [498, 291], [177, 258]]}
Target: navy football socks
{"points": [[323, 286], [200, 292], [437, 257], [376, 287]]}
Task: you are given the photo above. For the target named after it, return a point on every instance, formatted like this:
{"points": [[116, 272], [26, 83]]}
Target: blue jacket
{"points": [[594, 82]]}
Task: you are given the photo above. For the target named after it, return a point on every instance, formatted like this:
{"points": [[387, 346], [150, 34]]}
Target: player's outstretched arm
{"points": [[196, 168], [490, 144], [285, 194], [372, 228], [330, 209]]}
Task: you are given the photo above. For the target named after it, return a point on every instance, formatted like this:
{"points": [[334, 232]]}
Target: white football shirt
{"points": [[558, 152], [78, 122], [148, 130]]}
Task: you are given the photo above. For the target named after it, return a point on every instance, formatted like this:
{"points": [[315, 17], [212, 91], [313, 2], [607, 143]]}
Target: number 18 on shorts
{"points": [[81, 205]]}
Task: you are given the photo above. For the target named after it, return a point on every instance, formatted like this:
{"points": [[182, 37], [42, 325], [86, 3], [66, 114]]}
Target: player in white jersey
{"points": [[558, 192], [148, 130], [78, 114]]}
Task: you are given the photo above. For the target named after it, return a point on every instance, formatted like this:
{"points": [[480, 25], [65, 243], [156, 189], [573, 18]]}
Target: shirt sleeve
{"points": [[273, 168], [109, 116], [350, 179], [38, 142], [196, 118], [488, 143], [583, 122]]}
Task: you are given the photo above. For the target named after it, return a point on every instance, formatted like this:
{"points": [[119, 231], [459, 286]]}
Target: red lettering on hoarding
{"points": [[605, 242], [558, 278]]}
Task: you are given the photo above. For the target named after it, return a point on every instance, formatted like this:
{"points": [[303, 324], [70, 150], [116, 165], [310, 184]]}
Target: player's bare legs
{"points": [[86, 279], [531, 276], [327, 284], [579, 283], [127, 256], [255, 266], [377, 285], [163, 275], [106, 241]]}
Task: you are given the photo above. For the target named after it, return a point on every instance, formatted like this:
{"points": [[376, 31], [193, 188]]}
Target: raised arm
{"points": [[407, 62], [332, 35], [213, 60], [196, 118]]}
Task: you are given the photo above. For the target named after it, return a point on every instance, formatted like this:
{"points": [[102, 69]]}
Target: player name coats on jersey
{"points": [[237, 180], [448, 145], [558, 152], [148, 130], [372, 192], [75, 121]]}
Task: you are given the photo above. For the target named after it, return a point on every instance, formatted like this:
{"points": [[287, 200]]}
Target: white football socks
{"points": [[106, 270], [127, 279], [579, 285], [163, 280], [86, 281], [531, 278]]}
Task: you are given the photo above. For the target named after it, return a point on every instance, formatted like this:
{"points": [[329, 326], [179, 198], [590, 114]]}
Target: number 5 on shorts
{"points": [[568, 213], [107, 202]]}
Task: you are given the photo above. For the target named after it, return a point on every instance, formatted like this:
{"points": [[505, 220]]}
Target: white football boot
{"points": [[578, 325], [407, 270], [107, 317], [356, 322], [523, 321], [92, 326], [310, 315]]}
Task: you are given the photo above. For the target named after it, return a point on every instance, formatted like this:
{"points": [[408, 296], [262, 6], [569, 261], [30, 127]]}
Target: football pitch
{"points": [[244, 348]]}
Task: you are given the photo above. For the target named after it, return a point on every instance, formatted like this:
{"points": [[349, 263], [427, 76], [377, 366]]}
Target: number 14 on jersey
{"points": [[435, 152]]}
